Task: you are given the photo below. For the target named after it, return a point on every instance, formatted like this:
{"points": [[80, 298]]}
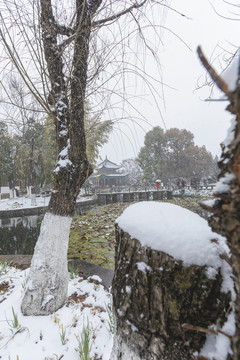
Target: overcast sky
{"points": [[184, 106]]}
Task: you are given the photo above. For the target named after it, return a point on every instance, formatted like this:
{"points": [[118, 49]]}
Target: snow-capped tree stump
{"points": [[162, 302]]}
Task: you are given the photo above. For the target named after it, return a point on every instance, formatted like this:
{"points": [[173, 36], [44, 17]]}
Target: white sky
{"points": [[185, 106]]}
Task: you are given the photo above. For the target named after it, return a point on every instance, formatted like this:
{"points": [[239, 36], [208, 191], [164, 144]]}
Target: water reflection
{"points": [[19, 235]]}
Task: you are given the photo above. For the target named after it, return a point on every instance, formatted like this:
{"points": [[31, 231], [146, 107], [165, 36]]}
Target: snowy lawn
{"points": [[57, 336], [23, 202]]}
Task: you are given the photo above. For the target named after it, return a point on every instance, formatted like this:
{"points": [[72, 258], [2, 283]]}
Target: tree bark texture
{"points": [[67, 99], [153, 296], [225, 218], [65, 95], [47, 283]]}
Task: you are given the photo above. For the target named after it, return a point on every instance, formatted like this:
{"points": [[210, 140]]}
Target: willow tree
{"points": [[65, 56]]}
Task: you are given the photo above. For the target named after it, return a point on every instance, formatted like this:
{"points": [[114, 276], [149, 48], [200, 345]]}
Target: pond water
{"points": [[19, 235]]}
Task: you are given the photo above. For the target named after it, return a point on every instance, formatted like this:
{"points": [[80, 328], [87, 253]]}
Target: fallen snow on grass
{"points": [[22, 202], [194, 193], [55, 336]]}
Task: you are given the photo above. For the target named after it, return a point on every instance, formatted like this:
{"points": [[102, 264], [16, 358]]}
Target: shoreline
{"points": [[39, 210]]}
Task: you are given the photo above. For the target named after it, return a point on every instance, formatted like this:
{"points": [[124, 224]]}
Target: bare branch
{"points": [[66, 42], [118, 15], [226, 17], [206, 331], [221, 84], [176, 11]]}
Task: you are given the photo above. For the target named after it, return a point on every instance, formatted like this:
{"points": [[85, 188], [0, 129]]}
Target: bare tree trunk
{"points": [[73, 167], [225, 210], [47, 285], [154, 295], [63, 97]]}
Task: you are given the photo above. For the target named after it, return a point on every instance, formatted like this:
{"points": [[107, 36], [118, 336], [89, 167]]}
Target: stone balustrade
{"points": [[125, 197]]}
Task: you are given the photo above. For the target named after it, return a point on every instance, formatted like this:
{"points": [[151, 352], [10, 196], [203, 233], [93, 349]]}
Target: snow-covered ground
{"points": [[56, 336], [22, 202], [193, 192], [26, 202]]}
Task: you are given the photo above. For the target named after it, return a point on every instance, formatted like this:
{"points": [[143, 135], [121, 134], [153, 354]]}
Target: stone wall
{"points": [[109, 198]]}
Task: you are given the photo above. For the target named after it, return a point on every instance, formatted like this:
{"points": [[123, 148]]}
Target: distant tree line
{"points": [[171, 155], [28, 155]]}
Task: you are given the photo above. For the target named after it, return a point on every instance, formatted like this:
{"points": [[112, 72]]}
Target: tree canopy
{"points": [[134, 171], [6, 155], [30, 154], [172, 154]]}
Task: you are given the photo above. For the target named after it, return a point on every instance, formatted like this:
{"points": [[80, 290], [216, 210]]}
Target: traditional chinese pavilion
{"points": [[108, 175]]}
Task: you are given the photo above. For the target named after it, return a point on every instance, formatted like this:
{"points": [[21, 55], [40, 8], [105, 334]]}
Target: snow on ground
{"points": [[192, 192], [22, 202], [56, 336]]}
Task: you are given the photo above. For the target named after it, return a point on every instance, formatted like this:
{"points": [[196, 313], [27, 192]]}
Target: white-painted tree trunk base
{"points": [[47, 283], [33, 200], [29, 191]]}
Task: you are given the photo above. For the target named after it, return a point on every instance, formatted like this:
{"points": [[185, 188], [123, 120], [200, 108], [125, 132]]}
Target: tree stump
{"points": [[156, 298]]}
